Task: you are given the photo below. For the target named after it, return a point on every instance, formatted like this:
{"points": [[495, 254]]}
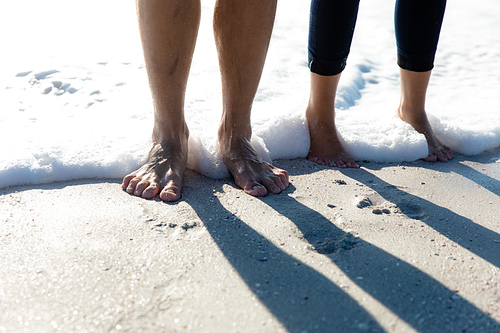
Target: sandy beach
{"points": [[411, 247]]}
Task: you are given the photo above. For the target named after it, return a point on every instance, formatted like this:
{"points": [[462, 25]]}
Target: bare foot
{"points": [[420, 122], [162, 173], [326, 148], [254, 175], [412, 111]]}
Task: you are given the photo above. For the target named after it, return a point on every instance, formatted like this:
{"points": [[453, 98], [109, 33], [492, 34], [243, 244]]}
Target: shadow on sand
{"points": [[300, 297], [308, 301], [461, 230]]}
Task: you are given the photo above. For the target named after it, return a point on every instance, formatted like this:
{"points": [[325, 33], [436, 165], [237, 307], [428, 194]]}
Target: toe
{"points": [[448, 153], [151, 191], [430, 158], [329, 163], [282, 181], [349, 162], [322, 162], [126, 181], [284, 178], [170, 194], [272, 186], [140, 187], [317, 160], [255, 189], [339, 163], [352, 164], [278, 182], [132, 185], [440, 156]]}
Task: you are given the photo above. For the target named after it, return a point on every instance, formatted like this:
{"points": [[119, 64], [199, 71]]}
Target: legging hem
{"points": [[319, 69], [415, 65]]}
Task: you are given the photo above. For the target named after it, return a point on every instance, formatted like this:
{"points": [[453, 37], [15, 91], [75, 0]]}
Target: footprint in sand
{"points": [[374, 201], [346, 243], [59, 88], [380, 206], [411, 210]]}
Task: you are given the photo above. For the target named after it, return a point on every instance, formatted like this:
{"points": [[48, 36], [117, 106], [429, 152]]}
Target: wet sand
{"points": [[413, 247]]}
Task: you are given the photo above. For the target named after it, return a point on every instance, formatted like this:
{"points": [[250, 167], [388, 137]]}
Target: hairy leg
{"points": [[168, 33], [242, 32], [412, 110], [326, 148]]}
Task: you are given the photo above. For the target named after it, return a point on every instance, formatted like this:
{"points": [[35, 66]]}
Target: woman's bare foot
{"points": [[412, 111], [162, 173], [254, 175], [419, 121], [326, 148]]}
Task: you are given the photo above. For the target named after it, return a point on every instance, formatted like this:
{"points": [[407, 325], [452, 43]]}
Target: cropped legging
{"points": [[331, 27]]}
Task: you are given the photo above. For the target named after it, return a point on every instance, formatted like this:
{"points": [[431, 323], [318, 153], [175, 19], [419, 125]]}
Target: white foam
{"points": [[75, 101]]}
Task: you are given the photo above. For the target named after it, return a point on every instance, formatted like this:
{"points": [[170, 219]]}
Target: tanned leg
{"points": [[242, 32], [412, 110], [326, 148], [168, 31]]}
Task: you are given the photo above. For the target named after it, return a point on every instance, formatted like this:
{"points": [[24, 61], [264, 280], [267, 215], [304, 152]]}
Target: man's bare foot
{"points": [[326, 148], [254, 175], [162, 173], [420, 122]]}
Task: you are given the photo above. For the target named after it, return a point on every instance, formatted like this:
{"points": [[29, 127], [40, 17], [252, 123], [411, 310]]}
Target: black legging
{"points": [[331, 27]]}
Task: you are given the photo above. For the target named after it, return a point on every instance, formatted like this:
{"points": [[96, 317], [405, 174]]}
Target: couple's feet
{"points": [[326, 148], [163, 171]]}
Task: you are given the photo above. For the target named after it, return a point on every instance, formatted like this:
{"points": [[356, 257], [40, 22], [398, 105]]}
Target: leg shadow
{"points": [[463, 231], [485, 181], [300, 297], [417, 298]]}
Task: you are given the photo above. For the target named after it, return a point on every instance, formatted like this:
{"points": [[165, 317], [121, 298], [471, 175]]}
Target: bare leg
{"points": [[326, 148], [168, 32], [412, 110], [242, 32]]}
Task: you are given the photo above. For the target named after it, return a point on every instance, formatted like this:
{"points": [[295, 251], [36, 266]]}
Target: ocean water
{"points": [[75, 103]]}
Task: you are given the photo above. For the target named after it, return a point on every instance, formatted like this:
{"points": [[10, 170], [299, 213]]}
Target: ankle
{"points": [[229, 130], [320, 116], [417, 118], [164, 134]]}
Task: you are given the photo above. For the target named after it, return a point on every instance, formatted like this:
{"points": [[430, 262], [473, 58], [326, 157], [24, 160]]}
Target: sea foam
{"points": [[76, 101]]}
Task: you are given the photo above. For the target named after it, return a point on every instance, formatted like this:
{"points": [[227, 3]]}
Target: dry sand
{"points": [[413, 247]]}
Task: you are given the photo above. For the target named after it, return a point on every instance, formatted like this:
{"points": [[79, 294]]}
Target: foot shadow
{"points": [[482, 179]]}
